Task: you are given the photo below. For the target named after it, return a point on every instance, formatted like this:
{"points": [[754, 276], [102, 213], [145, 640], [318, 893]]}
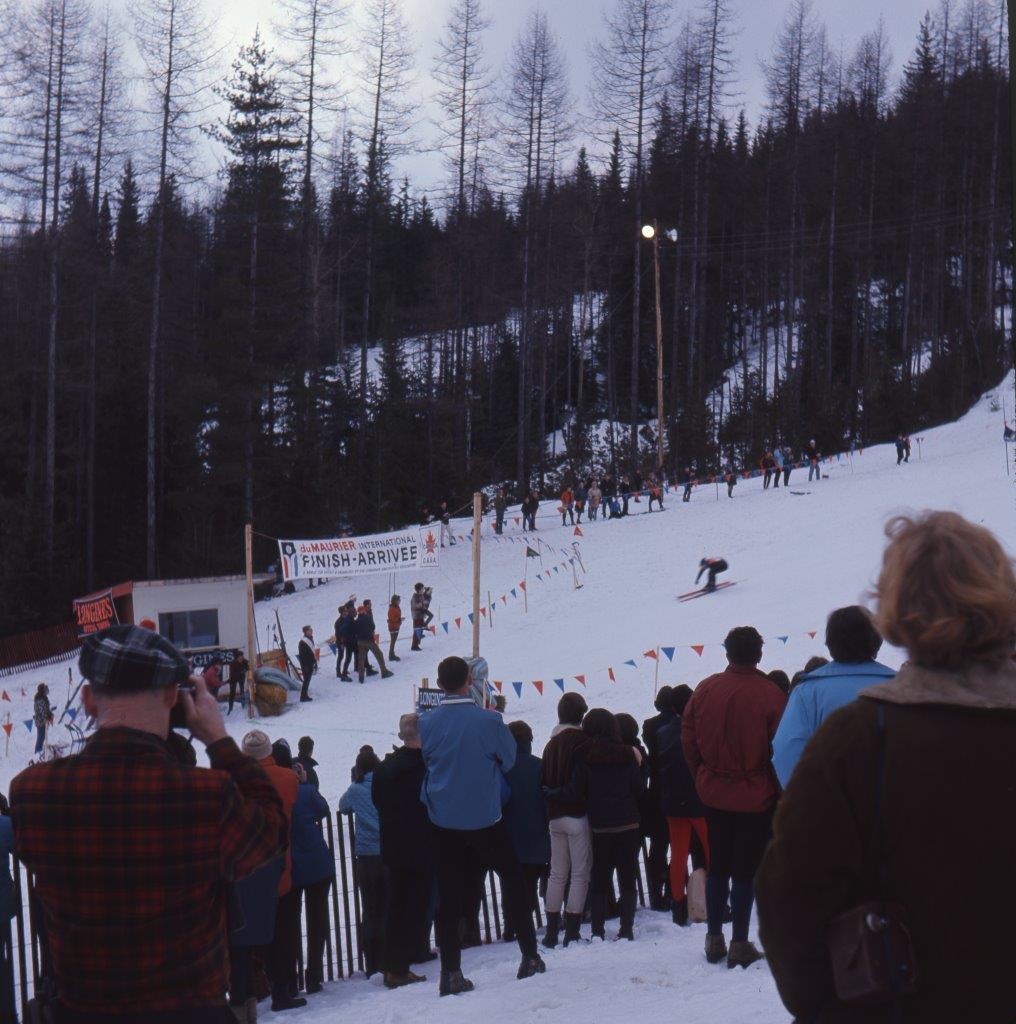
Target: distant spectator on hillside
{"points": [[42, 715], [138, 837], [854, 642]]}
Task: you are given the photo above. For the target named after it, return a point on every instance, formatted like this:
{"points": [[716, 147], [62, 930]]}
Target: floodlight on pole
{"points": [[648, 231]]}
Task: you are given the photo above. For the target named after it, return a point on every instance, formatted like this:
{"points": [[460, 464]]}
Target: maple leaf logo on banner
{"points": [[430, 542]]}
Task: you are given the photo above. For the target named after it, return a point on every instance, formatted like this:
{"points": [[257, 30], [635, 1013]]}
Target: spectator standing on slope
{"points": [[730, 479], [525, 816], [655, 485], [679, 803], [42, 715], [767, 465], [405, 841], [394, 625], [305, 757], [581, 497], [608, 778], [371, 873], [307, 657], [778, 468], [862, 816], [571, 841], [653, 822], [213, 676], [567, 508], [854, 643], [684, 478], [445, 515], [138, 836], [466, 750], [238, 669], [419, 607], [345, 634], [726, 732], [530, 506], [500, 504], [367, 644], [313, 872], [608, 485], [788, 465], [814, 457], [595, 497]]}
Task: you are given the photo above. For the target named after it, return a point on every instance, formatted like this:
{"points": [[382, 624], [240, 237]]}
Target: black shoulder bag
{"points": [[870, 945]]}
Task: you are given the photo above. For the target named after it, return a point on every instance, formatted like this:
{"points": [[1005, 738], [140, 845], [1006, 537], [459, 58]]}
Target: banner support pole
{"points": [[477, 517], [248, 544]]}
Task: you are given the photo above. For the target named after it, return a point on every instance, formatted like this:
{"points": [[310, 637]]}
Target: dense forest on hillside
{"points": [[309, 343]]}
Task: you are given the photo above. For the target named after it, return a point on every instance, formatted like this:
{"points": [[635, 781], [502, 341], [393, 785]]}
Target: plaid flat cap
{"points": [[131, 659]]}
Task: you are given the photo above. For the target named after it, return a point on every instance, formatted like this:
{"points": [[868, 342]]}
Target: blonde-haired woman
{"points": [[907, 797]]}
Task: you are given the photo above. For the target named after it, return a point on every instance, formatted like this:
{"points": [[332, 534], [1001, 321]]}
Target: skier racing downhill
{"points": [[714, 566]]}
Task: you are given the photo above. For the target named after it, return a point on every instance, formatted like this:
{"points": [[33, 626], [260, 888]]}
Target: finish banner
{"points": [[415, 547], [95, 613]]}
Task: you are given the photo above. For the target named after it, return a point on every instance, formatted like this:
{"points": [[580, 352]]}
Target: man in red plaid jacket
{"points": [[132, 851]]}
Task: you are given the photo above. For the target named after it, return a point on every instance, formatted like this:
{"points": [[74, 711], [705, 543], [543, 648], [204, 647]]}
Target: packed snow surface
{"points": [[795, 554]]}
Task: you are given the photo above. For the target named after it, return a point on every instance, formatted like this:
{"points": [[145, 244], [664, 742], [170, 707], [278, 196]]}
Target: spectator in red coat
{"points": [[132, 851], [727, 730], [213, 676]]}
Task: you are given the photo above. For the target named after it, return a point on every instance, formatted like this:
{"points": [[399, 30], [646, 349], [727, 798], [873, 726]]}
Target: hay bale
{"points": [[269, 699]]}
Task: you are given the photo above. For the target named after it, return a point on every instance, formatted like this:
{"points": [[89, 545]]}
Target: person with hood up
{"points": [[525, 815], [608, 779], [371, 873], [859, 837], [404, 834], [571, 842], [726, 731], [654, 824], [679, 803], [854, 642], [313, 872]]}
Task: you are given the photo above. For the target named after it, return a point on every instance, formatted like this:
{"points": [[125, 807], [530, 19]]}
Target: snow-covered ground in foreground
{"points": [[795, 554]]}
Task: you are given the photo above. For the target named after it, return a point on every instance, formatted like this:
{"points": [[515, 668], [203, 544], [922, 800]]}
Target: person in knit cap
{"points": [[285, 947], [139, 837]]}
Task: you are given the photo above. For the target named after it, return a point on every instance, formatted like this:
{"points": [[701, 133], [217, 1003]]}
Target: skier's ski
{"points": [[700, 593]]}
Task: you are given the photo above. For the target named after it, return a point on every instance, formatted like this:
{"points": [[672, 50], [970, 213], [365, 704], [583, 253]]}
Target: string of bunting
{"points": [[652, 655]]}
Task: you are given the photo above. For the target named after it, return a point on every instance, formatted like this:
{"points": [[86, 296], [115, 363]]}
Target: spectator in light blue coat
{"points": [[853, 642]]}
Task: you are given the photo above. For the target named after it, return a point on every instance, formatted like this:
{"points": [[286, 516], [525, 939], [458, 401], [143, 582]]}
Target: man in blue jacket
{"points": [[466, 751], [853, 642]]}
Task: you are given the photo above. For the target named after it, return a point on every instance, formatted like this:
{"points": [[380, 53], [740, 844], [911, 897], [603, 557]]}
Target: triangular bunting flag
{"points": [[559, 683], [581, 679], [539, 577], [577, 532], [532, 552], [470, 617], [458, 623], [7, 728], [649, 654], [516, 520], [517, 687], [631, 661], [538, 684], [483, 612], [504, 599], [783, 638], [557, 568], [515, 593], [444, 626], [29, 723], [811, 633], [432, 630], [669, 652], [522, 584], [73, 712], [497, 685], [610, 674], [6, 697], [698, 649]]}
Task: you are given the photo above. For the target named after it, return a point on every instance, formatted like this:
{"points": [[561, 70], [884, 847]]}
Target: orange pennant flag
{"points": [[649, 654], [577, 532], [458, 623], [538, 683], [811, 633], [497, 685], [522, 584], [483, 611], [6, 695], [698, 649], [581, 679], [7, 728]]}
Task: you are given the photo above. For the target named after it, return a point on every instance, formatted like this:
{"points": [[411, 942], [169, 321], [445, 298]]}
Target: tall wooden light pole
{"points": [[650, 231]]}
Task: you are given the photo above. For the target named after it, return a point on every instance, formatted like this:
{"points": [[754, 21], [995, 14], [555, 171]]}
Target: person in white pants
{"points": [[571, 841]]}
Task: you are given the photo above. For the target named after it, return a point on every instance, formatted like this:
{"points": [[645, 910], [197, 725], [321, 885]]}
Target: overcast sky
{"points": [[578, 22]]}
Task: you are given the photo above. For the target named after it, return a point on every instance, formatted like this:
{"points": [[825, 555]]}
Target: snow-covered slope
{"points": [[795, 554]]}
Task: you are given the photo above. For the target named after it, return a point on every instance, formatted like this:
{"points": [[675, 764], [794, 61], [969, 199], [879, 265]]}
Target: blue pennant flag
{"points": [[514, 592], [470, 616], [631, 661], [559, 683], [73, 712], [444, 626], [517, 687], [556, 569], [29, 724], [783, 638], [669, 652]]}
